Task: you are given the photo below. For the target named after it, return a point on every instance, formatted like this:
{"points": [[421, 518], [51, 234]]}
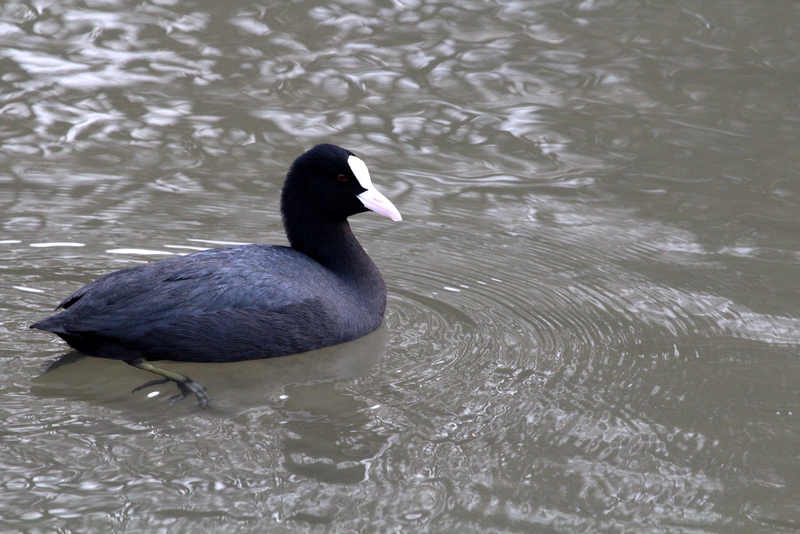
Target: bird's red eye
{"points": [[342, 178]]}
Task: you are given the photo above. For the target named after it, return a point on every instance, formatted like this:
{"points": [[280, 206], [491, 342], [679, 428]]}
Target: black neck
{"points": [[331, 244]]}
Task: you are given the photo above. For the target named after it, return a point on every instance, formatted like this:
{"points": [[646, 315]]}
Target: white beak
{"points": [[372, 198], [375, 201]]}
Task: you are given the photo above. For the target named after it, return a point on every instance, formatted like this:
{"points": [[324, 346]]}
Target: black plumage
{"points": [[245, 302]]}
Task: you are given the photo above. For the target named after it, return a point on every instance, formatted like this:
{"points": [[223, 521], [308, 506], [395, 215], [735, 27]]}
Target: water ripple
{"points": [[589, 316]]}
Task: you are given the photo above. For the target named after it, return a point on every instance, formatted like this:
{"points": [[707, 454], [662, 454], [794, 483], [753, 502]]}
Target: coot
{"points": [[244, 302]]}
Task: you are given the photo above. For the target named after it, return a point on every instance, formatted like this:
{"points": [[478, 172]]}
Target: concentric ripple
{"points": [[546, 325]]}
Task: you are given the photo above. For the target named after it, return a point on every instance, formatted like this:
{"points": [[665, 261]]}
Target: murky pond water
{"points": [[593, 321]]}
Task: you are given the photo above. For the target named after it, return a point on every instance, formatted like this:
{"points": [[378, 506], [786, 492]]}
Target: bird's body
{"points": [[228, 304], [245, 302]]}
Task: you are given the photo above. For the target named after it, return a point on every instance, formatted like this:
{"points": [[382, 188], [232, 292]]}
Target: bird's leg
{"points": [[185, 384]]}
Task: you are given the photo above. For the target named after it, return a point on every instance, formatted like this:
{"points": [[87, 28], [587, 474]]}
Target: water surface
{"points": [[593, 313]]}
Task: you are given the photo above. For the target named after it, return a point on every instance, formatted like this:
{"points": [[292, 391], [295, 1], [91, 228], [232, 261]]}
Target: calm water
{"points": [[593, 324]]}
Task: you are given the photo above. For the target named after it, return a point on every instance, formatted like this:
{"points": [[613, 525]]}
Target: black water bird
{"points": [[244, 302]]}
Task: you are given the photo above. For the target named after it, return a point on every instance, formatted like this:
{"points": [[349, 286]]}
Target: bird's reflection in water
{"points": [[234, 386]]}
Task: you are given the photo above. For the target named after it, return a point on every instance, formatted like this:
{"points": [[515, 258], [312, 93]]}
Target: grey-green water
{"points": [[594, 305]]}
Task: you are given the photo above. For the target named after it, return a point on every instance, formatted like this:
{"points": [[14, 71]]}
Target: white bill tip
{"points": [[372, 198]]}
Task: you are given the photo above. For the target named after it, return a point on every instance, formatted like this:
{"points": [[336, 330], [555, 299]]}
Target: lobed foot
{"points": [[186, 385]]}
